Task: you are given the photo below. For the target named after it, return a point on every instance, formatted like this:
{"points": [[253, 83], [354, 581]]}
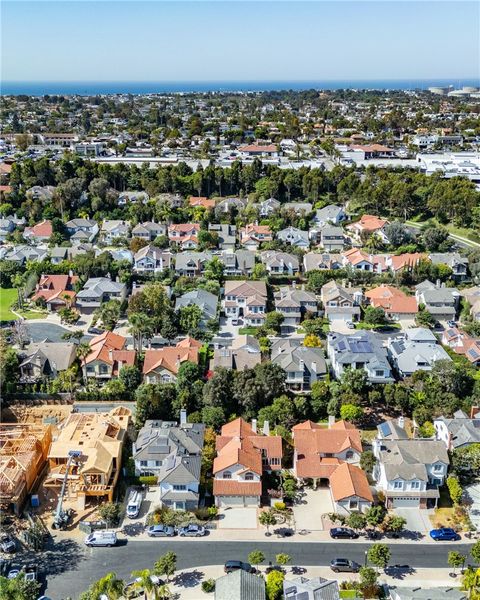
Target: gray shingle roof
{"points": [[240, 585]]}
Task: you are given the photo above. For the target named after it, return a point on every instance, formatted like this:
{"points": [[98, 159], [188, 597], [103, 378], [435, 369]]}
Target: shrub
{"points": [[148, 479], [208, 586], [202, 514], [279, 506]]}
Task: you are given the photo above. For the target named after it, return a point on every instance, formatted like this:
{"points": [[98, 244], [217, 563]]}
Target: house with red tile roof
{"points": [[396, 304], [329, 456], [56, 290], [269, 150], [184, 235], [201, 201], [243, 455], [107, 356], [362, 261], [405, 261], [368, 224], [41, 232], [162, 365], [252, 235]]}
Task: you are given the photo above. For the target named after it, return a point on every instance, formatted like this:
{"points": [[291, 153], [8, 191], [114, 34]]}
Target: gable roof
{"points": [[392, 299], [348, 480], [170, 358]]}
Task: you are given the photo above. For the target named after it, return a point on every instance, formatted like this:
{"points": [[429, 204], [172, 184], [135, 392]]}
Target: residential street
{"points": [[71, 568]]}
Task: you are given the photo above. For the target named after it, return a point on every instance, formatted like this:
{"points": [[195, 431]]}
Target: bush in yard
{"points": [[148, 479], [368, 582], [356, 521], [367, 461], [394, 523], [166, 565], [475, 552], [282, 559], [212, 512], [279, 506], [267, 518], [208, 586], [110, 513], [274, 585], [454, 489]]}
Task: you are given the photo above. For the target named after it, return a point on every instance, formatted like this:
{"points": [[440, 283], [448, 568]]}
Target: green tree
{"points": [[109, 586], [18, 588], [109, 314], [455, 560], [368, 579], [454, 489], [214, 269], [283, 559], [379, 555], [256, 557], [374, 316], [356, 521], [427, 430], [189, 318], [471, 582], [274, 585], [475, 552], [311, 341], [273, 321], [424, 318], [144, 582], [141, 327], [367, 461], [110, 513], [351, 412], [166, 565], [394, 523], [375, 515], [131, 377], [267, 519]]}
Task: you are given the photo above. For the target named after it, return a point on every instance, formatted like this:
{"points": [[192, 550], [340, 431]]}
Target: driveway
{"points": [[473, 493], [238, 518], [340, 326], [310, 509], [407, 323], [417, 519]]}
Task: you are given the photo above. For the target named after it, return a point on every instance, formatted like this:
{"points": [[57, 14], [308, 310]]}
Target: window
{"points": [[353, 504], [438, 468], [415, 485], [227, 475], [248, 476], [349, 454], [144, 463], [179, 488], [158, 463], [378, 373], [398, 485]]}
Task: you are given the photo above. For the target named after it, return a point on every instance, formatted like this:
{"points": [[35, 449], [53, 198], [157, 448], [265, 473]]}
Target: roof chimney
{"points": [[331, 421], [437, 283], [183, 417], [401, 422], [266, 428], [110, 354], [254, 425]]}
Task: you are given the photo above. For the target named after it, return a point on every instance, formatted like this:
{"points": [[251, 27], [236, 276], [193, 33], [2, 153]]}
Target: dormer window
{"points": [[227, 475], [249, 476]]}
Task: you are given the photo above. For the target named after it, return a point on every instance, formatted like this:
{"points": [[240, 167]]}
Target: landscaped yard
{"points": [[7, 298]]}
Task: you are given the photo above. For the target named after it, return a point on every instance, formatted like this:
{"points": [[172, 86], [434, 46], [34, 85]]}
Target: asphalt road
{"points": [[71, 568]]}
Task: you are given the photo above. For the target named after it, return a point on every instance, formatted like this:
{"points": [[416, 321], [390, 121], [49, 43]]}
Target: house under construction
{"points": [[100, 438], [23, 456]]}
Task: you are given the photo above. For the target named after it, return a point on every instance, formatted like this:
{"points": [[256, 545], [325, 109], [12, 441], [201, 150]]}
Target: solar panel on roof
{"points": [[384, 429]]}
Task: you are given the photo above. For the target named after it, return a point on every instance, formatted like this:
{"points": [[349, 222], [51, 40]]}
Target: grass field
{"points": [[7, 298]]}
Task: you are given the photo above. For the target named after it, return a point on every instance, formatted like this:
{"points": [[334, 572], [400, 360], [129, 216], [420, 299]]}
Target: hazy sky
{"points": [[204, 41]]}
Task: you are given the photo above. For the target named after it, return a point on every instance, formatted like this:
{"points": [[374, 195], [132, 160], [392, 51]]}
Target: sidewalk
{"points": [[187, 583]]}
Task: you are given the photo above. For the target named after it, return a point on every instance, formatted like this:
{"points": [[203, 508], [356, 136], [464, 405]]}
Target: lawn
{"points": [[247, 330], [7, 298]]}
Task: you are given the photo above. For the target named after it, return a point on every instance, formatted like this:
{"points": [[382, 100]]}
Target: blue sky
{"points": [[204, 41]]}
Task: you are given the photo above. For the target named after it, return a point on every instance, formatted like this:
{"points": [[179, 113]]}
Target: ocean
{"points": [[87, 88]]}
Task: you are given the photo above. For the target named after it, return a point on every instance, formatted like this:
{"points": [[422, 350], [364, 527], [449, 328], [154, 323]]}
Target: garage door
{"points": [[232, 501], [251, 501], [405, 502]]}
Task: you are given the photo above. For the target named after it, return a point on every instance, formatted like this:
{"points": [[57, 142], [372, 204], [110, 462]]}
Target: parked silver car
{"points": [[160, 531], [191, 530]]}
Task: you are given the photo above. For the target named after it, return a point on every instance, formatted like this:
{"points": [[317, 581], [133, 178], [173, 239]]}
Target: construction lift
{"points": [[63, 517]]}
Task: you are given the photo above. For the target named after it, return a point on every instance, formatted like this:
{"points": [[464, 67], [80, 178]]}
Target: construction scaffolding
{"points": [[23, 455]]}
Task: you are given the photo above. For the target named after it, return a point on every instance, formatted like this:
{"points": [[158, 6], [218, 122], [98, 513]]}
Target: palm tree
{"points": [[141, 326], [144, 581], [109, 586], [83, 350]]}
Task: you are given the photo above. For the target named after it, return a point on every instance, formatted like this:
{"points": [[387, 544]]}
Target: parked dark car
{"points": [[191, 530], [343, 532], [160, 531], [7, 543], [343, 565], [235, 565], [444, 534]]}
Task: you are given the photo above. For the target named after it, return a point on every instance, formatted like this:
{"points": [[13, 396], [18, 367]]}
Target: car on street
{"points": [[350, 325], [444, 534], [191, 530], [7, 543], [343, 532], [235, 565], [343, 565], [160, 531]]}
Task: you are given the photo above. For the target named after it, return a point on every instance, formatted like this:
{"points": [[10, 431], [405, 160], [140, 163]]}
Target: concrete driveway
{"points": [[238, 518], [407, 323], [312, 506], [473, 493], [417, 520], [339, 326]]}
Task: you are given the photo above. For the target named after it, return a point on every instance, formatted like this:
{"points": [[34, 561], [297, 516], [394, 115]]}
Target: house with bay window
{"points": [[172, 452], [243, 455], [410, 471]]}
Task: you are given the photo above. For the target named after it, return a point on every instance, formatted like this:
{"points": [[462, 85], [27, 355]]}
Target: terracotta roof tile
{"points": [[348, 480], [228, 487]]}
